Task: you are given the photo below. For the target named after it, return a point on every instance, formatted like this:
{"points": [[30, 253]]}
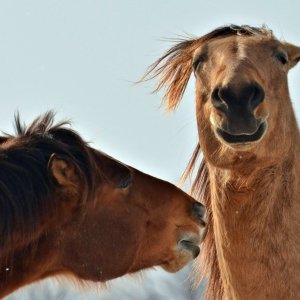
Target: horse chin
{"points": [[176, 265], [188, 253], [242, 142]]}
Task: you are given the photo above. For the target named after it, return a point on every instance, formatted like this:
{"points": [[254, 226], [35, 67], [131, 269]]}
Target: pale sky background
{"points": [[80, 59]]}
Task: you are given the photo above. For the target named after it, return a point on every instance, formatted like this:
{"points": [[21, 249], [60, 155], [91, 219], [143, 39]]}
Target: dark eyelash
{"points": [[281, 57], [199, 60], [125, 182]]}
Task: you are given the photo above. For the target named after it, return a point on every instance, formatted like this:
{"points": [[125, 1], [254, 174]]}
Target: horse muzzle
{"points": [[243, 138]]}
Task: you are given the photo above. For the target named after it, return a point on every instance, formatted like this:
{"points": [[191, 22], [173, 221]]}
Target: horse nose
{"points": [[199, 212], [248, 95]]}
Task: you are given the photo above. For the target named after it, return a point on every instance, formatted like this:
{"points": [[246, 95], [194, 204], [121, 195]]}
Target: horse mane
{"points": [[173, 70], [207, 266], [25, 182], [175, 67]]}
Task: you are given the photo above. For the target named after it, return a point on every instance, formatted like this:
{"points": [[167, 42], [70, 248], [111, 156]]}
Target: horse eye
{"points": [[282, 58], [124, 183], [199, 60]]}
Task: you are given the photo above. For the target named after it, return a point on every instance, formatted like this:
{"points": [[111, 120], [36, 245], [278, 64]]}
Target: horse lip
{"points": [[190, 242], [190, 246], [242, 138]]}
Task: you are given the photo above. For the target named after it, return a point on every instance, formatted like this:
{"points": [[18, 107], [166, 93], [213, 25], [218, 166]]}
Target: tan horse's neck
{"points": [[257, 228]]}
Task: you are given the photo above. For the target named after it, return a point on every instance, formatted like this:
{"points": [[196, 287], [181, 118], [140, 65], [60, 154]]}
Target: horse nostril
{"points": [[257, 95], [217, 101], [199, 211], [247, 95]]}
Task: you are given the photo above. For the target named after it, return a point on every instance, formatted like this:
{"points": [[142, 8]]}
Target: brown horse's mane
{"points": [[173, 70], [25, 182]]}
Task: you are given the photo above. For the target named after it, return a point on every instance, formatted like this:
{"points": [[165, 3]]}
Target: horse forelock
{"points": [[25, 182]]}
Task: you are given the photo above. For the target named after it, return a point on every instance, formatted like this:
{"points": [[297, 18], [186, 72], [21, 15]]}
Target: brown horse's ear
{"points": [[293, 54], [62, 170], [173, 69]]}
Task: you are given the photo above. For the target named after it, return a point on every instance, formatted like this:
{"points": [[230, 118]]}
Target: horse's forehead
{"points": [[243, 45]]}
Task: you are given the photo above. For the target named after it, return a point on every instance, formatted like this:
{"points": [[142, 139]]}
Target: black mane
{"points": [[243, 30], [25, 182]]}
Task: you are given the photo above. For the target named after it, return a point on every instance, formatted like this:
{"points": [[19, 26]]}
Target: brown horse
{"points": [[68, 209], [250, 175]]}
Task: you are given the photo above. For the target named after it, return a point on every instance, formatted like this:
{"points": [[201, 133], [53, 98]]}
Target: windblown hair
{"points": [[173, 70], [175, 67], [26, 183]]}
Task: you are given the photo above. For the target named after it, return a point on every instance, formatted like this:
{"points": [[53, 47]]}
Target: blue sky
{"points": [[81, 57]]}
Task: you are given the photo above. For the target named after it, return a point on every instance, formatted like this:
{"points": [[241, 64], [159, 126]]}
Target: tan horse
{"points": [[250, 176], [68, 209]]}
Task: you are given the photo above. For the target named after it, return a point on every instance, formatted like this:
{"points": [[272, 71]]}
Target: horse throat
{"points": [[257, 230]]}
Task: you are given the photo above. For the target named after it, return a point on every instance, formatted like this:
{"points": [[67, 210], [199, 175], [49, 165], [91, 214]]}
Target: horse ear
{"points": [[173, 69], [293, 54], [62, 170]]}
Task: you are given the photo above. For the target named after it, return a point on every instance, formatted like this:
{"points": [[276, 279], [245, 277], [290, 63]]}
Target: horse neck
{"points": [[27, 264], [256, 228]]}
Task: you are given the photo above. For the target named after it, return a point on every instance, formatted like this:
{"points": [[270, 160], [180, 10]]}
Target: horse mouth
{"points": [[190, 246], [243, 138], [187, 249]]}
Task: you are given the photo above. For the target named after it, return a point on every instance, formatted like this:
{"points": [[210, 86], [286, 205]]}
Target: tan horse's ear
{"points": [[62, 170], [293, 54]]}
